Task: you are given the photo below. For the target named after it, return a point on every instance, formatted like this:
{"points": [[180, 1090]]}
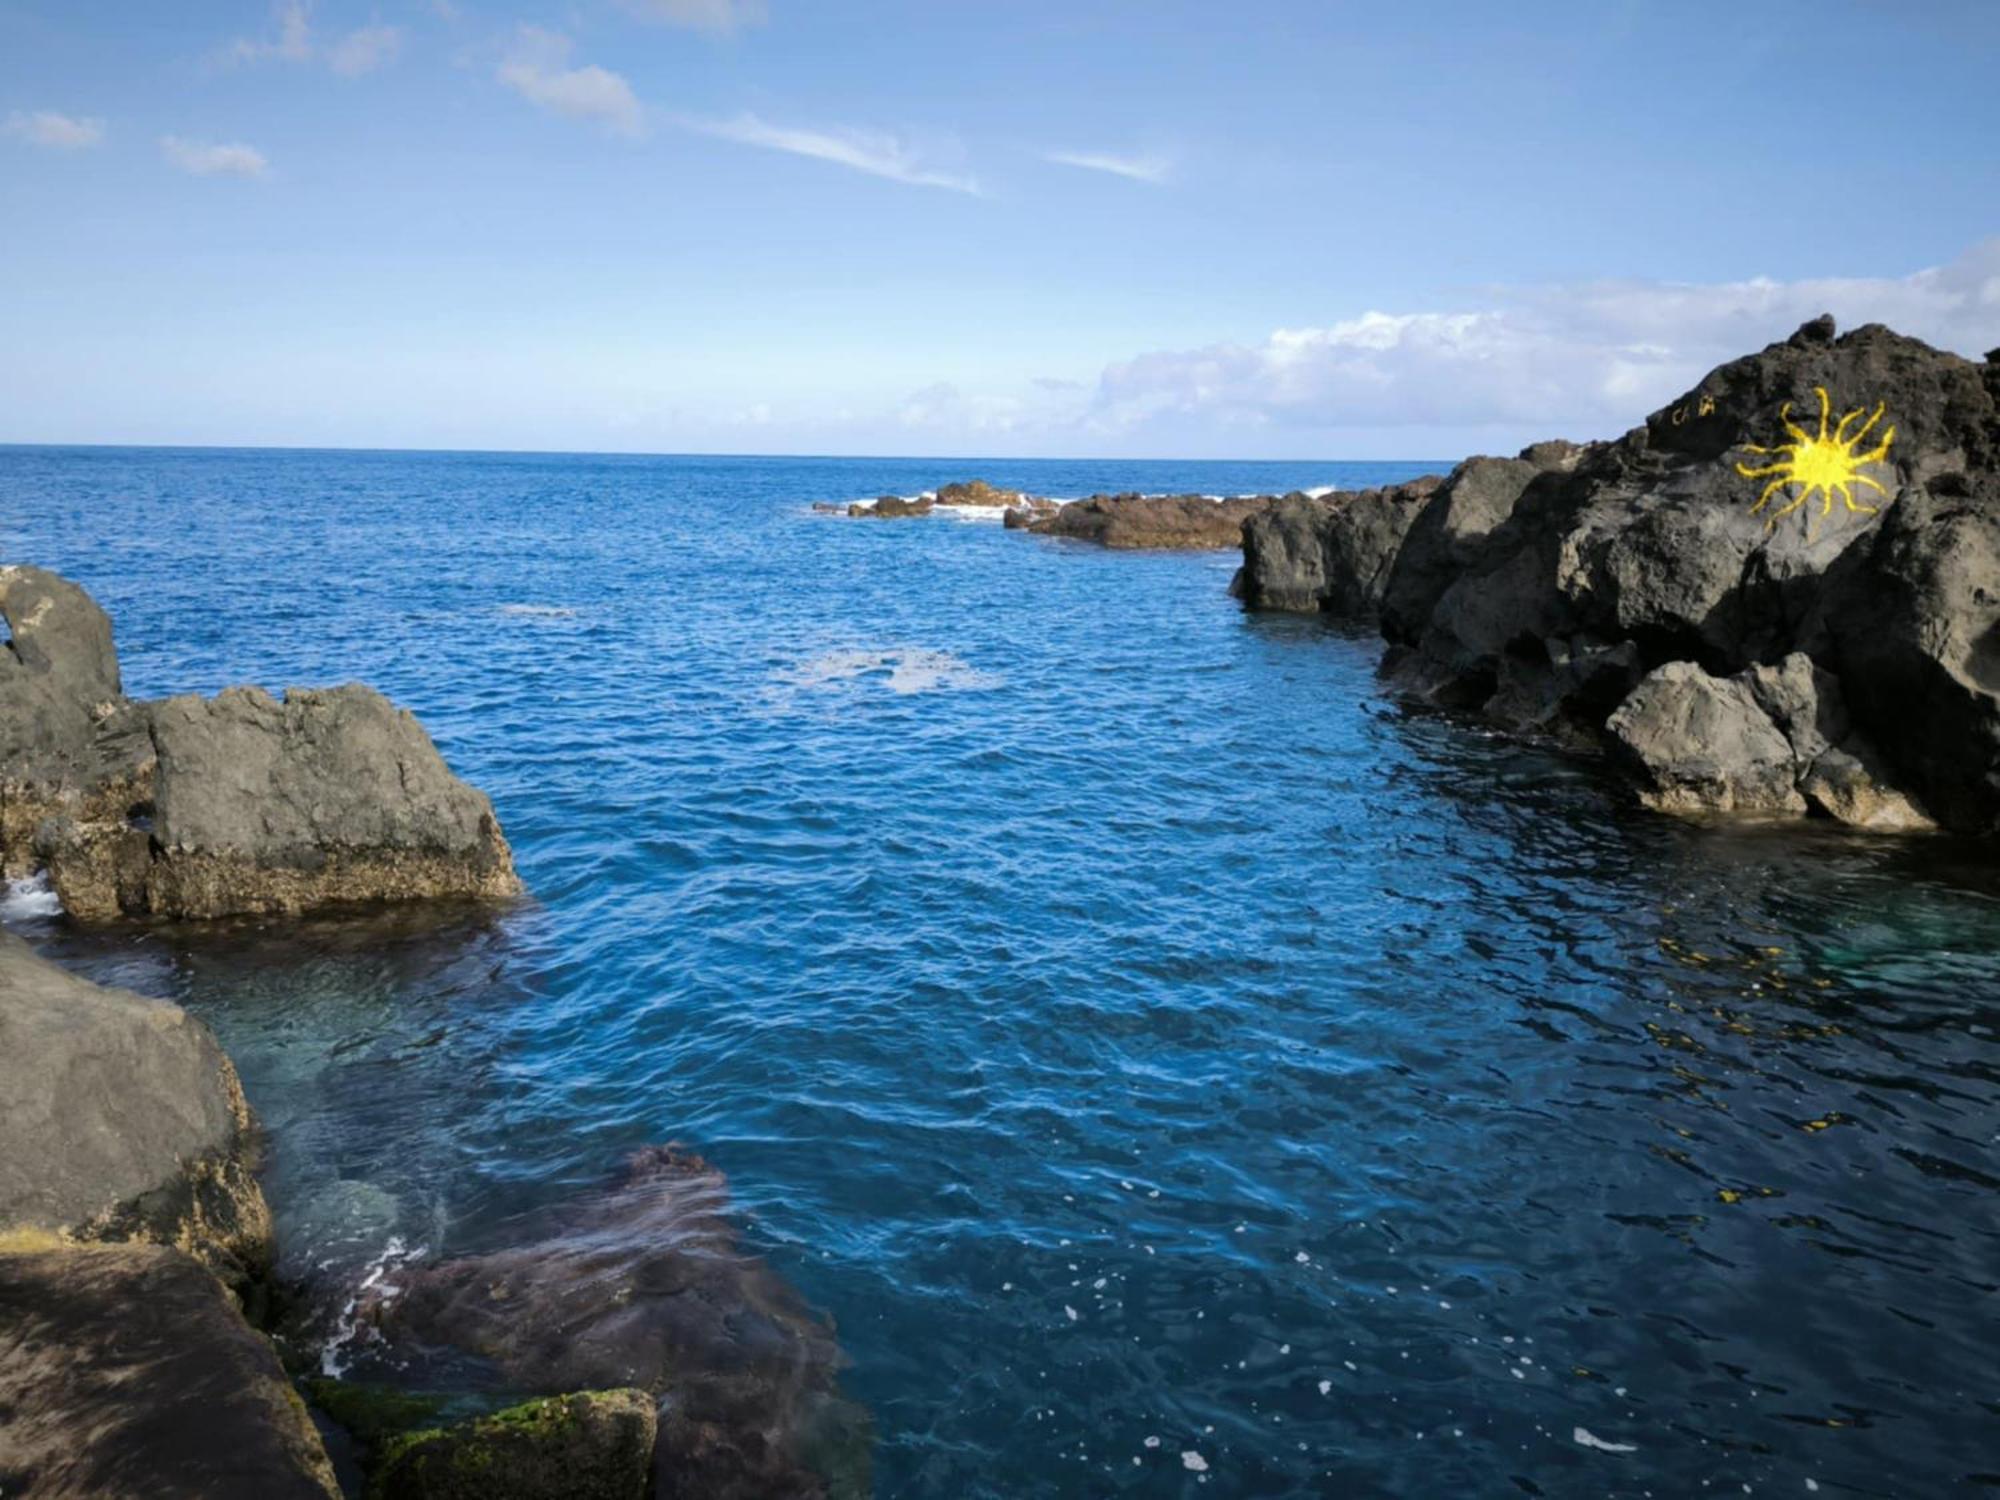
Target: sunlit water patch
{"points": [[1173, 1067]]}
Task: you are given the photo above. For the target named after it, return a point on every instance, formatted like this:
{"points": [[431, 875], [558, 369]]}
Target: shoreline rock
{"points": [[126, 1373], [1632, 595], [194, 808], [124, 1121]]}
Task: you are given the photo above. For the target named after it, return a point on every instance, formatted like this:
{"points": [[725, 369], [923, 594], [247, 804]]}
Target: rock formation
{"points": [[123, 1121], [978, 494], [643, 1285], [126, 1373], [1136, 521], [206, 808], [1551, 592], [1329, 553], [890, 507]]}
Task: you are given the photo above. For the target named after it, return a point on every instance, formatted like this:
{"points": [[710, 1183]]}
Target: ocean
{"points": [[1174, 1066]]}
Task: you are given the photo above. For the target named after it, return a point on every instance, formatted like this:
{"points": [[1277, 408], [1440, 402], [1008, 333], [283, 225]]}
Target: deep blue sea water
{"points": [[1176, 1068]]}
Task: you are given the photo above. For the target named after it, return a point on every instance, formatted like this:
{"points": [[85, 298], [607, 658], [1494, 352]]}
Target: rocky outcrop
{"points": [[1329, 553], [123, 1120], [242, 803], [126, 1373], [890, 507], [1028, 510], [643, 1284], [1545, 591], [979, 495], [594, 1445], [1185, 522], [260, 805]]}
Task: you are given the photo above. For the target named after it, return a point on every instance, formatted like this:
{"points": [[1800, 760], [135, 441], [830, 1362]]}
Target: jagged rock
{"points": [[889, 507], [127, 1373], [123, 1120], [1773, 740], [593, 1445], [1474, 499], [1029, 509], [1186, 522], [978, 494], [1914, 623], [1330, 553], [1649, 545], [328, 797], [643, 1284]]}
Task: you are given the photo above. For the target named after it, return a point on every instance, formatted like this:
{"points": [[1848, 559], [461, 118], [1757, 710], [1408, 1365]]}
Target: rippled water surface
{"points": [[1174, 1067]]}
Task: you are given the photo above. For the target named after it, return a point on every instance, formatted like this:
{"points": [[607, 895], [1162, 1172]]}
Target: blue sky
{"points": [[1265, 229]]}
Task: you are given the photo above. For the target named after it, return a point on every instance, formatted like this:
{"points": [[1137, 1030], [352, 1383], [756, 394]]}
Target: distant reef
{"points": [[1780, 596], [195, 807]]}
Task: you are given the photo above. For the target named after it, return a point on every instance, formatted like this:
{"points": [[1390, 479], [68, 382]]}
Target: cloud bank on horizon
{"points": [[666, 225]]}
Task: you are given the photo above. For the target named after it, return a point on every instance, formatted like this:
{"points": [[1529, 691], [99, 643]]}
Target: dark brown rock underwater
{"points": [[641, 1284]]}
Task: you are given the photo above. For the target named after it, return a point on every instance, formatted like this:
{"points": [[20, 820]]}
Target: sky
{"points": [[1119, 228]]}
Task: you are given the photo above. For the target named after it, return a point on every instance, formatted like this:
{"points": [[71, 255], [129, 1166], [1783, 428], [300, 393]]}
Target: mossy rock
{"points": [[373, 1414], [594, 1445]]}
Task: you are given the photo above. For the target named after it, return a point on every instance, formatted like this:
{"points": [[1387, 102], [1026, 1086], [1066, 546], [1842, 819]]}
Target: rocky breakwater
{"points": [[1183, 522], [131, 1233], [1779, 595], [195, 808]]}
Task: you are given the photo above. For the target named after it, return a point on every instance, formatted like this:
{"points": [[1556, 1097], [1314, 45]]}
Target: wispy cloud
{"points": [[290, 39], [364, 50], [875, 152], [58, 132], [718, 17], [537, 69], [204, 160], [1148, 168]]}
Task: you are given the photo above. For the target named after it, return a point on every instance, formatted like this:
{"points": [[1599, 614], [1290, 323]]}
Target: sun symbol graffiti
{"points": [[1826, 465]]}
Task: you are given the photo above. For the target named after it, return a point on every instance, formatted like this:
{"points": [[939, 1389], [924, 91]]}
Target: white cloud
{"points": [[292, 41], [1154, 169], [203, 160], [1583, 359], [874, 152], [45, 127], [719, 17], [364, 50], [537, 71]]}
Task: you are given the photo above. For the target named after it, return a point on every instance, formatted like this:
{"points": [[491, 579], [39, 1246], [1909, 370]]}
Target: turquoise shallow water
{"points": [[1124, 1022]]}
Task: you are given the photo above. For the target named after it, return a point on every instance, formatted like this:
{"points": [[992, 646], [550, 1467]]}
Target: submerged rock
{"points": [[644, 1285], [593, 1445], [1168, 521], [123, 1120], [126, 1373], [193, 807]]}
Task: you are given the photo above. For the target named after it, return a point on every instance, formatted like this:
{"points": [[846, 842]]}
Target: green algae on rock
{"points": [[592, 1445]]}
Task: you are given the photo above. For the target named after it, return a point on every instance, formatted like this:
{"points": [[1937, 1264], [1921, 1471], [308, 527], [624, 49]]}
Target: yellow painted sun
{"points": [[1826, 465]]}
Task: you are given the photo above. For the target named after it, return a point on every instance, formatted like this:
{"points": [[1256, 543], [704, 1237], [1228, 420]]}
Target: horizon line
{"points": [[692, 453]]}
